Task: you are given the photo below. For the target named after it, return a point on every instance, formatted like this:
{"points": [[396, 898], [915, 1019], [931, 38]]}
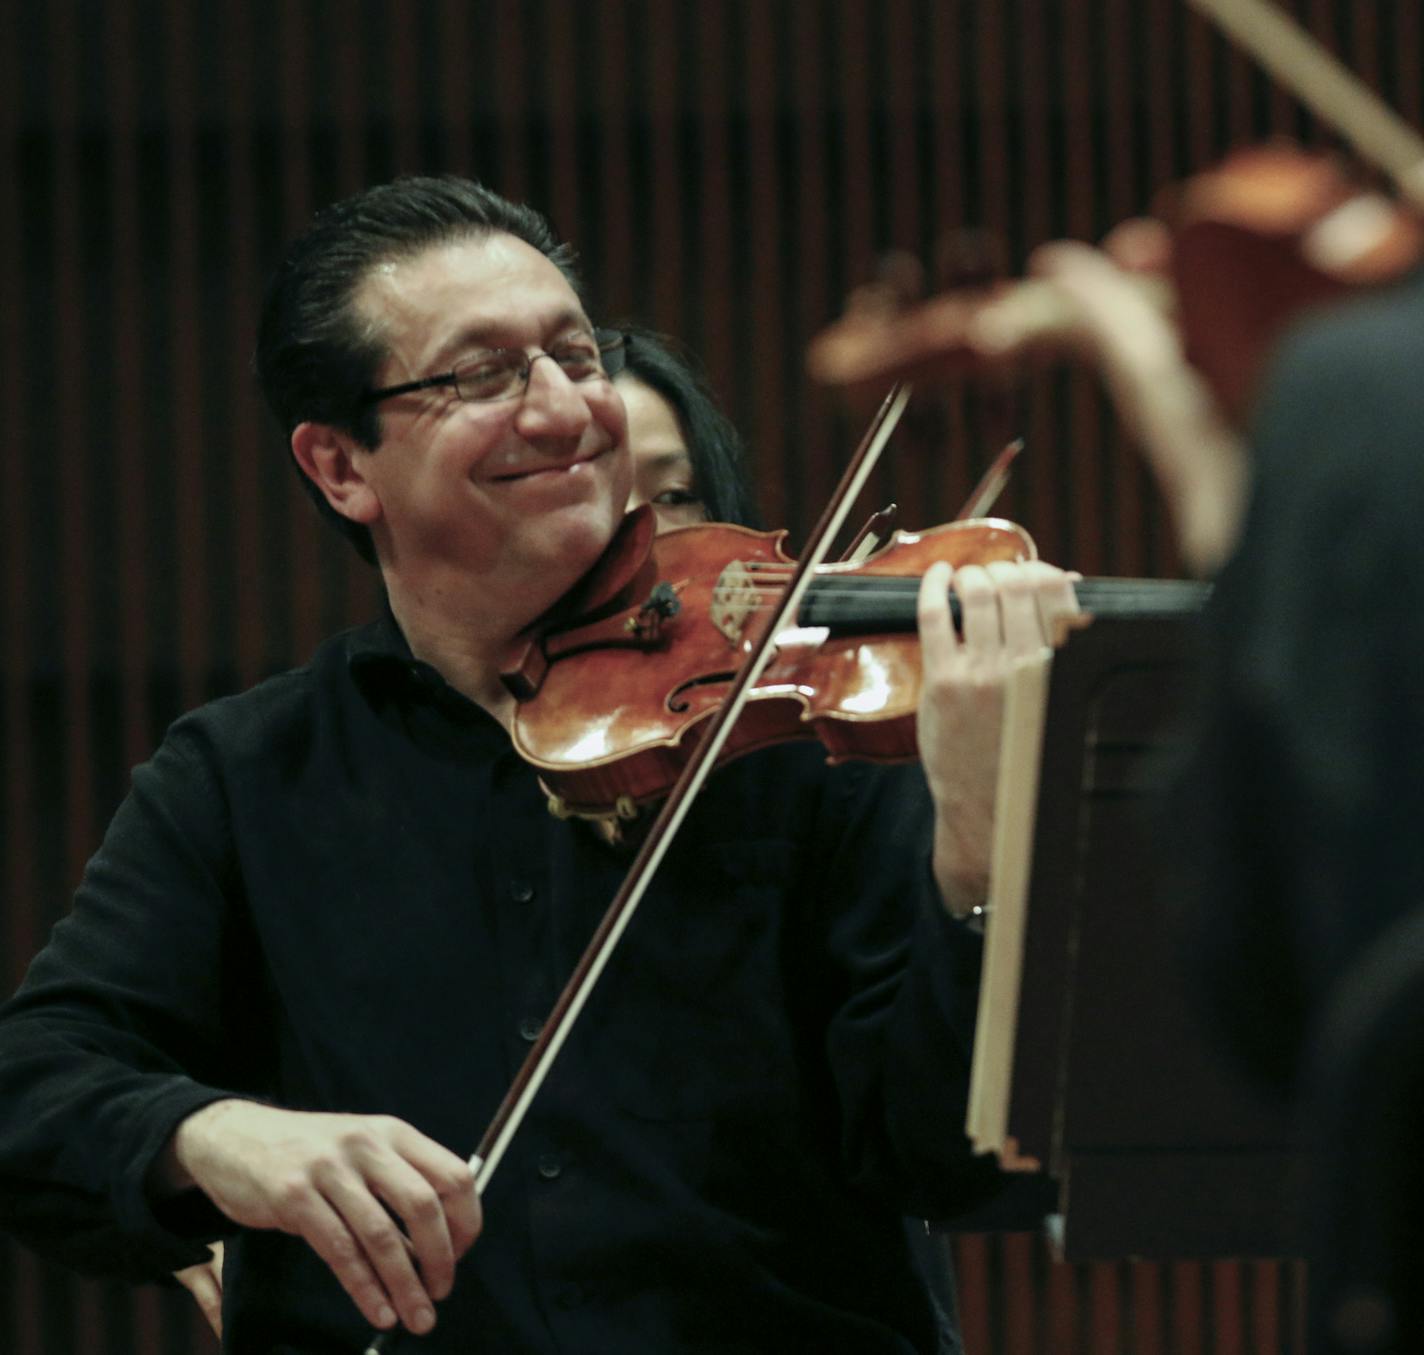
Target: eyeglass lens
{"points": [[504, 372]]}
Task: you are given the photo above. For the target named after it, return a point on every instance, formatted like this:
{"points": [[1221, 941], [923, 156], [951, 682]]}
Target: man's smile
{"points": [[542, 467]]}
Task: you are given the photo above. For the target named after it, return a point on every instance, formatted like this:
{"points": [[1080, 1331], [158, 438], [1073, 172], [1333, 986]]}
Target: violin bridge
{"points": [[734, 599]]}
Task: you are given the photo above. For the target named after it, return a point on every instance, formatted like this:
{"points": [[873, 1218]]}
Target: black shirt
{"points": [[342, 891], [1305, 800]]}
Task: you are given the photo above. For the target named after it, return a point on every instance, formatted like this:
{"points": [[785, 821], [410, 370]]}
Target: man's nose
{"points": [[553, 406]]}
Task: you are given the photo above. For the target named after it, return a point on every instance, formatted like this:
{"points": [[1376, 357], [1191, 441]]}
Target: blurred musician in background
{"points": [[1297, 818], [1306, 789]]}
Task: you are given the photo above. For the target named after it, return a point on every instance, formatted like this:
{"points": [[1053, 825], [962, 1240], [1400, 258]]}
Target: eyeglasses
{"points": [[503, 373]]}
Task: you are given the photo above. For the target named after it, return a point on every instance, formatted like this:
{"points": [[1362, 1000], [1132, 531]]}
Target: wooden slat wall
{"points": [[729, 168]]}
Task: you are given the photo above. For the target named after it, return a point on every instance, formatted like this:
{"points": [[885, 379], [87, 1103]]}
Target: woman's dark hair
{"points": [[713, 443], [315, 355]]}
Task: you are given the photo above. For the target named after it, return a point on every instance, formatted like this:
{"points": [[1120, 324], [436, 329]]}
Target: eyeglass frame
{"points": [[609, 341]]}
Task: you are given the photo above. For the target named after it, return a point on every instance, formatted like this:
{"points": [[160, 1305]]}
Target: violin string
{"points": [[1120, 594], [898, 584], [1146, 594]]}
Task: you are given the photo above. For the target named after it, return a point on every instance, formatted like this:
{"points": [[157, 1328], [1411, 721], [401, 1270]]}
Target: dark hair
{"points": [[315, 355], [713, 443]]}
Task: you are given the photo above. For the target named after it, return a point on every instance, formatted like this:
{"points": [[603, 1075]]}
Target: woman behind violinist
{"points": [[688, 458]]}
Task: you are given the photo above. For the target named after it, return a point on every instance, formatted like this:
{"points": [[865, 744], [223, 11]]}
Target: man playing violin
{"points": [[333, 912]]}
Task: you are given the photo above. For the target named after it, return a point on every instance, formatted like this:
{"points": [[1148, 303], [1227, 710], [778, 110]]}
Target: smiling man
{"points": [[333, 912], [495, 488]]}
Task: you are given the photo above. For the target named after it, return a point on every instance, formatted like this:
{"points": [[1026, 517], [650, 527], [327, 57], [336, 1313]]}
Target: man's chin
{"points": [[585, 535], [570, 542]]}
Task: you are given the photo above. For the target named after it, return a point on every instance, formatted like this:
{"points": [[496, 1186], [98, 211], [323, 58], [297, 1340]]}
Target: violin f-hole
{"points": [[675, 701]]}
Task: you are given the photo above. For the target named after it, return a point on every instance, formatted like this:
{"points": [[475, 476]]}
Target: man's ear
{"points": [[328, 458]]}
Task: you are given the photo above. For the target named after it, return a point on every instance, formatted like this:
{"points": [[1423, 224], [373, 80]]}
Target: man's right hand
{"points": [[332, 1179]]}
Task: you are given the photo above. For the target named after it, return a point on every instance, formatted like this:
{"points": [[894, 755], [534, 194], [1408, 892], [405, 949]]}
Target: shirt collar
{"points": [[381, 664]]}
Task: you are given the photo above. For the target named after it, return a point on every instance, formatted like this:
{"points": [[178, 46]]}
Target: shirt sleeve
{"points": [[113, 1038]]}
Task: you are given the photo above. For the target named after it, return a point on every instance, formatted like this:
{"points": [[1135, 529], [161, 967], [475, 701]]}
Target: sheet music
{"points": [[1015, 809]]}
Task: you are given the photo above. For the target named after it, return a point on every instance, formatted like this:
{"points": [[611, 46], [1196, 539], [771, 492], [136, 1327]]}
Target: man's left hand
{"points": [[1009, 614]]}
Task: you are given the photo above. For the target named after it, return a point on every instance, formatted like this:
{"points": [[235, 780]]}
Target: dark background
{"points": [[728, 169]]}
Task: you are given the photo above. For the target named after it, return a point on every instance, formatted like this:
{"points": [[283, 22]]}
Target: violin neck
{"points": [[848, 606]]}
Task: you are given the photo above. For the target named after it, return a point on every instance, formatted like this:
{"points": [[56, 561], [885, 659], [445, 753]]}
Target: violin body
{"points": [[1267, 236], [621, 700]]}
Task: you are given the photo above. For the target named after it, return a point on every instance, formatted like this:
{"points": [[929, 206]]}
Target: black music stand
{"points": [[1158, 1148]]}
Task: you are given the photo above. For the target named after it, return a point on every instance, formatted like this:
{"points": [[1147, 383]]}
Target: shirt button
{"points": [[521, 891], [529, 1028], [550, 1168]]}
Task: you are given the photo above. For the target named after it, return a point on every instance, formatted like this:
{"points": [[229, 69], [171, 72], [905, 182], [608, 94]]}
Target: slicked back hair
{"points": [[316, 356]]}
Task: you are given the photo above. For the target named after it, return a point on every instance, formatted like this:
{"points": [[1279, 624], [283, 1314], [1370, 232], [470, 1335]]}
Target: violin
{"points": [[672, 638], [1242, 250]]}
